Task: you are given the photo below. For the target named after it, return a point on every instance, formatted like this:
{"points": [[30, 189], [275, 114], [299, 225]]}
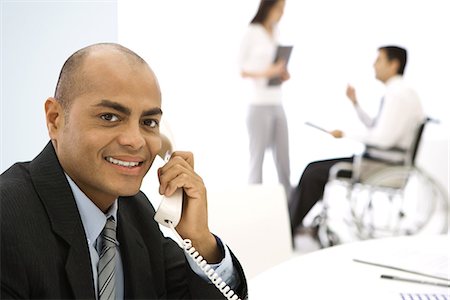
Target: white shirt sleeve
{"points": [[246, 49], [363, 116]]}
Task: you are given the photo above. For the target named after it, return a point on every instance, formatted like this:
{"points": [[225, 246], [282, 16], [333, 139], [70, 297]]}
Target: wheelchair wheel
{"points": [[398, 201], [327, 237]]}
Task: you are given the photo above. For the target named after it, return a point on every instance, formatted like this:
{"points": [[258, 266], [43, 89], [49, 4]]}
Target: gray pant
{"points": [[267, 129]]}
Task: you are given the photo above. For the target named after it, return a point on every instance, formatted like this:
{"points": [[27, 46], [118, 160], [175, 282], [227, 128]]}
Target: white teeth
{"points": [[128, 164]]}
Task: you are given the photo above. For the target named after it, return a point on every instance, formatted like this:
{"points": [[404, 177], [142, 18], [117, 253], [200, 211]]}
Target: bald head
{"points": [[73, 78]]}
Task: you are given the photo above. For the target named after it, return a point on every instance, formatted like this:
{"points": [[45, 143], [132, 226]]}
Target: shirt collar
{"points": [[394, 79], [92, 217]]}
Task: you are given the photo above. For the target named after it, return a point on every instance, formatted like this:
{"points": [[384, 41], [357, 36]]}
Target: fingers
{"points": [[275, 69], [179, 173], [187, 156], [337, 133], [351, 94], [285, 76]]}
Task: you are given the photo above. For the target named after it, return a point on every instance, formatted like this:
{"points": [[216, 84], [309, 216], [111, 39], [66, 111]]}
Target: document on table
{"points": [[424, 296], [431, 264]]}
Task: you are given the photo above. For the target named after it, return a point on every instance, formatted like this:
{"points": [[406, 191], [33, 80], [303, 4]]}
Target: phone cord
{"points": [[186, 245]]}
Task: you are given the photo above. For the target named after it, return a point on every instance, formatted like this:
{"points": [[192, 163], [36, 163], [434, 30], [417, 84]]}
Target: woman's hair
{"points": [[263, 11]]}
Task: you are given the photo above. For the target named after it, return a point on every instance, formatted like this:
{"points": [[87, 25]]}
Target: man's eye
{"points": [[110, 117], [151, 123]]}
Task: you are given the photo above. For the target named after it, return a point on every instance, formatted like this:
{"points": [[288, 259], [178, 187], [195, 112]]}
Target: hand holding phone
{"points": [[169, 215], [170, 208]]}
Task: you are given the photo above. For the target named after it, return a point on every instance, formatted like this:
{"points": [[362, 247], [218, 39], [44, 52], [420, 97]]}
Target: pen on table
{"points": [[317, 127], [415, 280]]}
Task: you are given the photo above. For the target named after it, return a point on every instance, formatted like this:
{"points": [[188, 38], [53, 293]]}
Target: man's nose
{"points": [[132, 136]]}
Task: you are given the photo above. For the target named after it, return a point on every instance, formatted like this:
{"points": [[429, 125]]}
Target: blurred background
{"points": [[192, 46]]}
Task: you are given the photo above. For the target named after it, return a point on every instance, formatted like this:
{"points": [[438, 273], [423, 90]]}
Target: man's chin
{"points": [[128, 192], [129, 188]]}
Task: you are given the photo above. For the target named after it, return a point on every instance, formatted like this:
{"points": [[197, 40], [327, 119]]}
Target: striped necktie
{"points": [[107, 262]]}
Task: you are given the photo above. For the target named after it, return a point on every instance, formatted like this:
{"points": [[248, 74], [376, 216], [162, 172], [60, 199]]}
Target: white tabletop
{"points": [[332, 273]]}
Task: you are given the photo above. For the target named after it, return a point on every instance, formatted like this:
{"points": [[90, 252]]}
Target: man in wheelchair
{"points": [[394, 128]]}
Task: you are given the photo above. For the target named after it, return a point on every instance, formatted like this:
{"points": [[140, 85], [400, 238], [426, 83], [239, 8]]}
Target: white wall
{"points": [[36, 38], [192, 46]]}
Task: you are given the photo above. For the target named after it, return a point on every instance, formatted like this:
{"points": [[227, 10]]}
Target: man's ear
{"points": [[54, 115], [395, 66]]}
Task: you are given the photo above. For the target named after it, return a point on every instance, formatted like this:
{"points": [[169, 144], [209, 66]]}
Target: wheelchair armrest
{"points": [[392, 149], [392, 156], [338, 168]]}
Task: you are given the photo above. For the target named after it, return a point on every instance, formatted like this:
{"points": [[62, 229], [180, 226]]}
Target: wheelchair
{"points": [[382, 198]]}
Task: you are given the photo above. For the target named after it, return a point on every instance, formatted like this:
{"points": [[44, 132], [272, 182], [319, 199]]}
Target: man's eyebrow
{"points": [[152, 112], [119, 107], [114, 105]]}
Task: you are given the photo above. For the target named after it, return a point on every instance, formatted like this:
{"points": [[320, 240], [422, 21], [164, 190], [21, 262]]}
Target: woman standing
{"points": [[266, 119]]}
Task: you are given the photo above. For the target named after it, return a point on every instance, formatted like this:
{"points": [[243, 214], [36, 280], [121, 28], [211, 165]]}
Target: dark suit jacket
{"points": [[44, 253]]}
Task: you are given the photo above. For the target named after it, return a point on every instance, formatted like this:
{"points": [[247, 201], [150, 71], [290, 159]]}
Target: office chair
{"points": [[386, 195]]}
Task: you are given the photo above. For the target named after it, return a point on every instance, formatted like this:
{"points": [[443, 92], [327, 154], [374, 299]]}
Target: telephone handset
{"points": [[169, 215], [169, 210]]}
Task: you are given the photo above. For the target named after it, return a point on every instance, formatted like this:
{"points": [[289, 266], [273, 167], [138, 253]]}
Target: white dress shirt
{"points": [[398, 119]]}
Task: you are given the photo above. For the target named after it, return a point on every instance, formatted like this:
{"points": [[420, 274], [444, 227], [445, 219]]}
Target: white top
{"points": [[257, 52], [400, 115]]}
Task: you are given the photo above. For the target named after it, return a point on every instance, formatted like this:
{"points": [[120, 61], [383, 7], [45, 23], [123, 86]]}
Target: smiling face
{"points": [[108, 137]]}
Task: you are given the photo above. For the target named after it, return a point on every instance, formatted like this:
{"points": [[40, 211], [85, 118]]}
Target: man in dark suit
{"points": [[103, 124]]}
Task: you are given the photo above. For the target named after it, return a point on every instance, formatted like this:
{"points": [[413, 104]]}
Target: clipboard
{"points": [[283, 52]]}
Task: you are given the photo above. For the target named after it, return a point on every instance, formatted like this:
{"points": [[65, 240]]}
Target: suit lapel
{"points": [[139, 281], [56, 195]]}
